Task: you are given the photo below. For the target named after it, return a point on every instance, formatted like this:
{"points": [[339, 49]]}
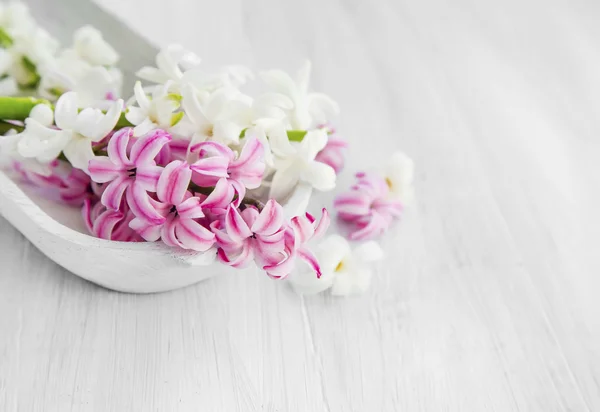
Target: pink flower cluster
{"points": [[144, 189], [367, 207]]}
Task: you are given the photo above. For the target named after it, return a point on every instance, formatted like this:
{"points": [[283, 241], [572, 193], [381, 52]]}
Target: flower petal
{"points": [[283, 183], [148, 146], [320, 176], [211, 166], [139, 203], [306, 255], [368, 252], [303, 229], [149, 231], [105, 223], [65, 112], [113, 194], [103, 170], [147, 177], [108, 122], [117, 146], [243, 258], [237, 229], [220, 197], [190, 208], [352, 203], [269, 220], [174, 182], [79, 152], [193, 235]]}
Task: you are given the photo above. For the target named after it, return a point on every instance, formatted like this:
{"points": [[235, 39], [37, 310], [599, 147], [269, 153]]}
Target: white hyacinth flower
{"points": [[90, 46], [217, 118], [171, 63], [9, 143], [155, 113], [310, 109], [295, 163], [75, 134], [344, 270]]}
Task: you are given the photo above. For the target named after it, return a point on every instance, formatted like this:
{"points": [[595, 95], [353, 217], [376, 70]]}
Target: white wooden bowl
{"points": [[58, 231]]}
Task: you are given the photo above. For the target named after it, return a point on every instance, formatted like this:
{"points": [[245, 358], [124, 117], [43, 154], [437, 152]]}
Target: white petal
{"points": [[281, 82], [79, 153], [43, 114], [151, 74], [65, 113], [192, 106], [332, 251], [313, 142], [226, 132], [368, 252], [283, 183], [321, 176], [140, 96], [349, 283], [108, 121], [141, 129]]}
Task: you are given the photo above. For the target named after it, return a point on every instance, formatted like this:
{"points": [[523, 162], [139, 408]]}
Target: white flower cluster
{"points": [[31, 61], [193, 104]]}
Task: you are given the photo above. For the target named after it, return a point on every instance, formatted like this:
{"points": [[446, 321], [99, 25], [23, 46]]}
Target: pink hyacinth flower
{"points": [[108, 224], [179, 211], [333, 153], [132, 174], [251, 235], [368, 207], [301, 230], [218, 161]]}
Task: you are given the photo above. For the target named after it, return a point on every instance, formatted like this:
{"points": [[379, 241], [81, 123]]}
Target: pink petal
{"points": [[220, 197], [105, 223], [213, 148], [242, 259], [237, 229], [113, 194], [140, 204], [323, 224], [117, 146], [211, 166], [179, 149], [240, 190], [167, 232], [310, 258], [147, 177], [370, 227], [251, 156], [250, 214], [86, 212], [282, 268], [148, 231], [270, 219], [190, 209], [223, 240], [103, 170], [148, 146], [174, 182], [303, 229], [193, 235], [353, 203]]}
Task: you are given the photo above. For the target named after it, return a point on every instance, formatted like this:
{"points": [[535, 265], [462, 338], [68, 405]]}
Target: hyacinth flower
{"points": [[301, 230], [107, 223], [133, 174], [344, 270], [251, 235], [179, 210], [218, 161], [375, 200], [74, 135]]}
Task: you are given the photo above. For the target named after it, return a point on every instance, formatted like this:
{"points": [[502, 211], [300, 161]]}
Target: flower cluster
{"points": [[190, 159], [31, 60]]}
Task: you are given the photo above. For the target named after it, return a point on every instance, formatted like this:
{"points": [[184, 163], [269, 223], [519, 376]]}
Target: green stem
{"points": [[6, 126], [18, 108]]}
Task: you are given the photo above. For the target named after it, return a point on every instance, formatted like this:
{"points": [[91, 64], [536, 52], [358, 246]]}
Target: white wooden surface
{"points": [[488, 300]]}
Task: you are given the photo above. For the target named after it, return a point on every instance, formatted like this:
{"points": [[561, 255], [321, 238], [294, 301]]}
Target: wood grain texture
{"points": [[488, 298]]}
